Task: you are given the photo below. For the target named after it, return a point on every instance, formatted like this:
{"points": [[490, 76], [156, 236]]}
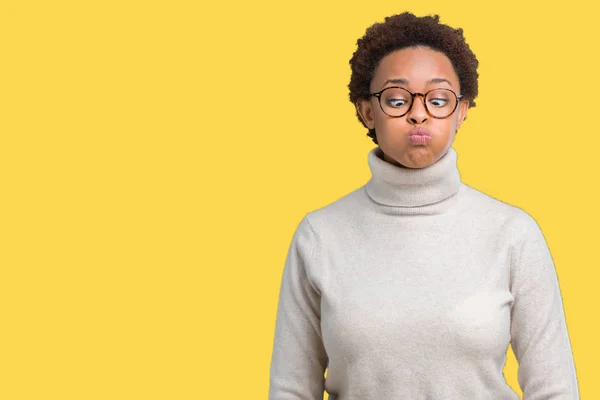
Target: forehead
{"points": [[417, 65]]}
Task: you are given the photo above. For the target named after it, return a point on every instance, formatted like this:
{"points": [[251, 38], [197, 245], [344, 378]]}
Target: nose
{"points": [[418, 113]]}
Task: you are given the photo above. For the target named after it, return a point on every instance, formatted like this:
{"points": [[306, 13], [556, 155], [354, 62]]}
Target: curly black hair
{"points": [[407, 30]]}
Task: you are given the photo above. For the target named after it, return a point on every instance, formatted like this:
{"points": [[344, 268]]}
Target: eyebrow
{"points": [[403, 81]]}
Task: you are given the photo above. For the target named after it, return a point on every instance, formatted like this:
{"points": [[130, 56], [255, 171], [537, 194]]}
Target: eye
{"points": [[395, 102], [438, 102]]}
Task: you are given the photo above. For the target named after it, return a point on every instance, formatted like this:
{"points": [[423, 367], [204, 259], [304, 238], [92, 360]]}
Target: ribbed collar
{"points": [[409, 188]]}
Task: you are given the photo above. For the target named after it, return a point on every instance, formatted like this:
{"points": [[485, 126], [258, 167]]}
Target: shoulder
{"points": [[493, 210], [332, 216], [340, 215]]}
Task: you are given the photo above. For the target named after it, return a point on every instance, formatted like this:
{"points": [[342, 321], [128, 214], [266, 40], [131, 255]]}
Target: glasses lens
{"points": [[395, 101], [441, 102]]}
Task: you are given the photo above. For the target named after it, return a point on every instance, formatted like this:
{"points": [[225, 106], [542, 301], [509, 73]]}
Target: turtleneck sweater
{"points": [[412, 287]]}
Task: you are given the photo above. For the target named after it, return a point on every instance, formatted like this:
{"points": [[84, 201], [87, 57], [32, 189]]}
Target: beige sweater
{"points": [[412, 287]]}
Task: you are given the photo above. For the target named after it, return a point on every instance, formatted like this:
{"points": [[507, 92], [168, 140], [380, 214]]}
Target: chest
{"points": [[398, 296]]}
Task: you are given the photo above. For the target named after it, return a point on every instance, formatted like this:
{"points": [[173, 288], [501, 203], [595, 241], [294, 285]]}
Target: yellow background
{"points": [[156, 157]]}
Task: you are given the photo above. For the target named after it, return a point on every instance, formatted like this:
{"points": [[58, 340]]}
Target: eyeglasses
{"points": [[397, 102]]}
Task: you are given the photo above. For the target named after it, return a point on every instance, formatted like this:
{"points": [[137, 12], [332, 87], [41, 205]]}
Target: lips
{"points": [[419, 136], [419, 131]]}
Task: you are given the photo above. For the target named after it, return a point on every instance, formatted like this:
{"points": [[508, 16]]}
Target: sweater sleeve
{"points": [[299, 359], [539, 336]]}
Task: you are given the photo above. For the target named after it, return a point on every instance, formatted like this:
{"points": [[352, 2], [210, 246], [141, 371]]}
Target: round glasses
{"points": [[397, 102]]}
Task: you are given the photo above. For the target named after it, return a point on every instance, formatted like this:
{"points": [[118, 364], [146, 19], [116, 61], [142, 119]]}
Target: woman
{"points": [[413, 285]]}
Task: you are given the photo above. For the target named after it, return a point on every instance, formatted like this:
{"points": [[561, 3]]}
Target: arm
{"points": [[539, 336], [299, 358]]}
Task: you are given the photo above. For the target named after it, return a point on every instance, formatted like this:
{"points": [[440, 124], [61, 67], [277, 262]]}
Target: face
{"points": [[418, 69]]}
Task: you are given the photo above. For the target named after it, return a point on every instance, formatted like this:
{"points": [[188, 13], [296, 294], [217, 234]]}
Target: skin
{"points": [[417, 65]]}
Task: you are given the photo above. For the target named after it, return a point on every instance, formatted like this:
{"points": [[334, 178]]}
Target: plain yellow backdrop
{"points": [[156, 157]]}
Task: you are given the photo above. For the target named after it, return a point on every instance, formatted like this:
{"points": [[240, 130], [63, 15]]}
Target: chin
{"points": [[419, 159]]}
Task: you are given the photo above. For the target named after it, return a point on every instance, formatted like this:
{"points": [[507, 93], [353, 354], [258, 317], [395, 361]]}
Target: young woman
{"points": [[413, 286]]}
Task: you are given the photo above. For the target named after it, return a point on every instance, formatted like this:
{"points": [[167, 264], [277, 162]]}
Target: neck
{"points": [[403, 190]]}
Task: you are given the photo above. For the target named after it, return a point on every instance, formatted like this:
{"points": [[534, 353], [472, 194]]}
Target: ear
{"points": [[366, 113], [463, 106]]}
